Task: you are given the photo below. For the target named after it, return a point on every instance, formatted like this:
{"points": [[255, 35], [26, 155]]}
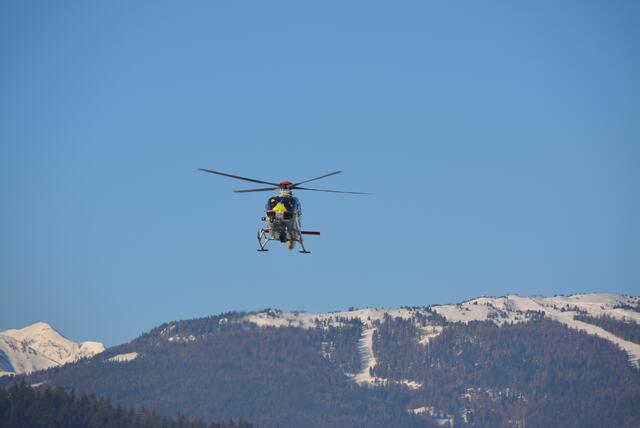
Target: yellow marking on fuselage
{"points": [[280, 208]]}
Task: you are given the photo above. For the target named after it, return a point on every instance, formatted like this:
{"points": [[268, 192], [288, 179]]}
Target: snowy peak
{"points": [[40, 346], [16, 357], [30, 331]]}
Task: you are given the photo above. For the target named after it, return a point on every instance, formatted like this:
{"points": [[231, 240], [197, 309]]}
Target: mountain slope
{"points": [[500, 310], [559, 308], [40, 346], [489, 362]]}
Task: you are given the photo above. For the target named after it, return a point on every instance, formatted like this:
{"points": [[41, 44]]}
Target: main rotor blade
{"points": [[332, 191], [262, 189], [318, 178], [238, 177]]}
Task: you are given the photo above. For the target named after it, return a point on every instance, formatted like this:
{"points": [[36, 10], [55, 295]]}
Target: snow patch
{"points": [[440, 419], [182, 338], [430, 332], [421, 410], [124, 358], [408, 383]]}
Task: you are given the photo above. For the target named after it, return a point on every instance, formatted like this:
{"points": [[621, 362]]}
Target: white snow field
{"points": [[40, 346], [123, 358]]}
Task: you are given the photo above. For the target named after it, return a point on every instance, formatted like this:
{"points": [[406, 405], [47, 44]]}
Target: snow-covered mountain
{"points": [[500, 310], [566, 361], [40, 346]]}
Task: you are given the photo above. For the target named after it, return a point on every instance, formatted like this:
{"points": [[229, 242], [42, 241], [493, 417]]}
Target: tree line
{"points": [[22, 407]]}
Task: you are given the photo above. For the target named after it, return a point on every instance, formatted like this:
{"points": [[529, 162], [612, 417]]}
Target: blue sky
{"points": [[500, 140]]}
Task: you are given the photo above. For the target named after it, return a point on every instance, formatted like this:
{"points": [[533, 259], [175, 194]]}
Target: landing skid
{"points": [[304, 250], [264, 237]]}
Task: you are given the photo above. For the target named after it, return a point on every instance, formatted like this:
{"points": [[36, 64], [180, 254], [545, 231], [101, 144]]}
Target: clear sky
{"points": [[501, 141]]}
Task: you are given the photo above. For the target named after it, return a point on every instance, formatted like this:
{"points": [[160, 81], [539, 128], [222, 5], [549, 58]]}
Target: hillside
{"points": [[489, 362]]}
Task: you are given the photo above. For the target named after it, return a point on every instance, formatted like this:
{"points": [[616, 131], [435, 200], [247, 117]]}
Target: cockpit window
{"points": [[290, 203]]}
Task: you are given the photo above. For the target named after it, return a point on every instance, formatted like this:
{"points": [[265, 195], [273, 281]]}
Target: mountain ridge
{"points": [[502, 309]]}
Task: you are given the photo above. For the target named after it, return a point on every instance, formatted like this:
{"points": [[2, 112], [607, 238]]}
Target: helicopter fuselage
{"points": [[282, 215], [282, 218]]}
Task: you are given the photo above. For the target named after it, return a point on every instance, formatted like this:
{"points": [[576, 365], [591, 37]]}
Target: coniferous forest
{"points": [[628, 330], [22, 406], [540, 372]]}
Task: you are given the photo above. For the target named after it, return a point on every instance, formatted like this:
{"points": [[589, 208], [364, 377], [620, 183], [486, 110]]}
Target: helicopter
{"points": [[282, 211]]}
